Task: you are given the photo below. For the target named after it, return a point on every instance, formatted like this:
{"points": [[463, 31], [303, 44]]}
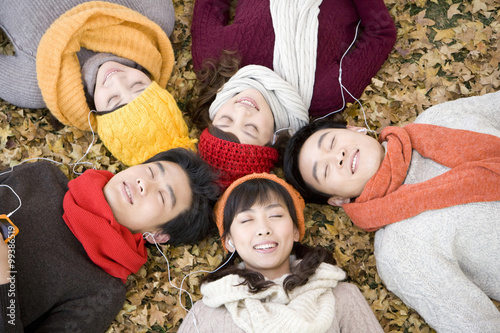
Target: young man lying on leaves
{"points": [[439, 179], [79, 240]]}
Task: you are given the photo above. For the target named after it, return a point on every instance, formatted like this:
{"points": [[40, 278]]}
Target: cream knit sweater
{"points": [[445, 263]]}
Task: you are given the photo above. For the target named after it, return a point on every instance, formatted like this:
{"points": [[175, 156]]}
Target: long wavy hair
{"points": [[261, 191], [212, 76]]}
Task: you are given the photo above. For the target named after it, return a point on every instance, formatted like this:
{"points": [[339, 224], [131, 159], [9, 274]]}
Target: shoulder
{"points": [[216, 319], [34, 173], [477, 113]]}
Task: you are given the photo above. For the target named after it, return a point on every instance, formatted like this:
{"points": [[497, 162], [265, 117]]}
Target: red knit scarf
{"points": [[109, 245], [474, 159]]}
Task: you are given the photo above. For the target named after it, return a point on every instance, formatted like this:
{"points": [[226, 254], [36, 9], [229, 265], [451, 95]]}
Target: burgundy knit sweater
{"points": [[251, 34]]}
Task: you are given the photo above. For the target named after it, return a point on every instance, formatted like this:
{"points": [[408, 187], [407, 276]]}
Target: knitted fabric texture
{"points": [[252, 35], [100, 27], [307, 308], [288, 108], [295, 26], [234, 160], [298, 202], [471, 156], [150, 124], [109, 245]]}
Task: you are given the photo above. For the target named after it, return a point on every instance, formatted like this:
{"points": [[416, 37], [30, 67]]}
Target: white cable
{"points": [[181, 290], [20, 203], [342, 87]]}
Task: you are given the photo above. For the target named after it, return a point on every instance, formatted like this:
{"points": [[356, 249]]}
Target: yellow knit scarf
{"points": [[150, 124], [100, 27]]}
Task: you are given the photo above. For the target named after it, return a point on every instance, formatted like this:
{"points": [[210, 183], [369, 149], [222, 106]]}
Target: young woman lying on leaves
{"points": [[431, 190], [280, 285], [292, 57], [79, 240], [113, 57]]}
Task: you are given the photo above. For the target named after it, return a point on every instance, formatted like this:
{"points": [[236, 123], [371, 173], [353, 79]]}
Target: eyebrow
{"points": [[169, 188], [315, 166], [274, 205]]}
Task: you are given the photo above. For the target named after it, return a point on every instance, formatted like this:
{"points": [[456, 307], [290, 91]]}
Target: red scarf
{"points": [[474, 159], [109, 245]]}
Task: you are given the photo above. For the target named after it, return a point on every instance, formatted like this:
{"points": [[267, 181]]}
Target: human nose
{"points": [[341, 156], [263, 228], [144, 186]]}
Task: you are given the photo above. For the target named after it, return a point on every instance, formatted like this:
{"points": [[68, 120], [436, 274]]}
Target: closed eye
{"points": [[162, 198], [331, 144], [252, 126], [152, 173], [112, 99]]}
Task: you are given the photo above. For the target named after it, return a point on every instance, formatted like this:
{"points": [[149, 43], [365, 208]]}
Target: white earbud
{"points": [[362, 130], [230, 242]]}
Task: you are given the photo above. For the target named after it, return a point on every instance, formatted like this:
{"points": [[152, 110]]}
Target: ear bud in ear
{"points": [[230, 242], [362, 130]]}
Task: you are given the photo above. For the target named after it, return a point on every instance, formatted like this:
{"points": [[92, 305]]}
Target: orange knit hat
{"points": [[298, 202], [100, 27]]}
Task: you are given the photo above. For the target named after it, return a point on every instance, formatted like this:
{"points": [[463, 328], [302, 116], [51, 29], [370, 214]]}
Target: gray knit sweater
{"points": [[25, 22], [57, 287], [445, 263]]}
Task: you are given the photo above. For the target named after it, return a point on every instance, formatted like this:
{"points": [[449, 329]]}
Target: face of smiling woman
{"points": [[117, 85], [264, 235], [248, 116], [146, 196]]}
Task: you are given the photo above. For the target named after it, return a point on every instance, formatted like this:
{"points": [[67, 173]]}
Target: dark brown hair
{"points": [[212, 76]]}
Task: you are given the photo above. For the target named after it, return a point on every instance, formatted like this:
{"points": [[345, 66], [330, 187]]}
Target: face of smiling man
{"points": [[339, 162], [146, 196]]}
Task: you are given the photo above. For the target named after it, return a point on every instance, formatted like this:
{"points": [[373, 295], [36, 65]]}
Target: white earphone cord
{"points": [[181, 290], [342, 87], [48, 159]]}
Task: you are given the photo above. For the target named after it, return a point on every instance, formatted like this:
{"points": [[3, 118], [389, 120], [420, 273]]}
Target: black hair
{"points": [[291, 159], [259, 191], [196, 222], [311, 257]]}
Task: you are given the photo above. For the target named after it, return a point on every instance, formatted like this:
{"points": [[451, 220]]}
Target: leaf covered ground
{"points": [[446, 49]]}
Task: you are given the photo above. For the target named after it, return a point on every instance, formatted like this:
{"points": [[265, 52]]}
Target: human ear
{"points": [[229, 244], [338, 201], [296, 233], [357, 129], [159, 236]]}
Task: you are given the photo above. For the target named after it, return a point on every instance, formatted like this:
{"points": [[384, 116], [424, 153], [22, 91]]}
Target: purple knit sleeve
{"points": [[375, 42], [250, 33], [376, 37]]}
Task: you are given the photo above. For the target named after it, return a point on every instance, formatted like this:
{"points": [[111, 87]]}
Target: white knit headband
{"points": [[288, 109]]}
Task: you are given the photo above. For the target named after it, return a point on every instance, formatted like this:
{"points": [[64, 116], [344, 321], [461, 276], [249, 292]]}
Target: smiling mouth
{"points": [[265, 246], [354, 164], [129, 194], [249, 102], [109, 74]]}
